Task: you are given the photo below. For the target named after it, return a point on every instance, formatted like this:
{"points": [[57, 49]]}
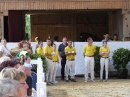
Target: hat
{"points": [[106, 35]]}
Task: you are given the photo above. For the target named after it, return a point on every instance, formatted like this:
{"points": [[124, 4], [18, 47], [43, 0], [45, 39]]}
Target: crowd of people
{"points": [[16, 72]]}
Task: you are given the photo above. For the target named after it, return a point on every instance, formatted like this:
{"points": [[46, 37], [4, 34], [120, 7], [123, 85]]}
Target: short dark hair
{"points": [[70, 40], [40, 42], [104, 41], [89, 38], [48, 39]]}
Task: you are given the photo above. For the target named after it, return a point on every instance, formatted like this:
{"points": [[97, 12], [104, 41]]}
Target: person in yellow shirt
{"points": [[48, 53], [40, 49], [70, 53], [55, 63], [104, 52], [88, 52]]}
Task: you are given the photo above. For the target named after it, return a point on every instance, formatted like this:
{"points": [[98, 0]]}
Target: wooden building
{"points": [[64, 18]]}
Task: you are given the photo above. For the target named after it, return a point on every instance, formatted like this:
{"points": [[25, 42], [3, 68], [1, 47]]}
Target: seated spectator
{"points": [[5, 58], [25, 69], [8, 64], [17, 62], [26, 51], [28, 72], [115, 38], [22, 59], [28, 64], [9, 88], [107, 38], [16, 74]]}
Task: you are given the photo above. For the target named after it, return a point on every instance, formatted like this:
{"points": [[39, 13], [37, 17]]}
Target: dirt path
{"points": [[113, 88]]}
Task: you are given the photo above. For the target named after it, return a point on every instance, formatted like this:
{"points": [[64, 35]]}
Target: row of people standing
{"points": [[67, 55]]}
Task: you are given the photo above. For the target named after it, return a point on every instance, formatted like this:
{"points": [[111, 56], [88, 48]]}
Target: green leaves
{"points": [[121, 57], [97, 60], [35, 56]]}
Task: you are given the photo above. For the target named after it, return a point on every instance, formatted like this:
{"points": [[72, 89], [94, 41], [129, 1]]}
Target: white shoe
{"points": [[93, 80], [54, 82], [86, 81]]}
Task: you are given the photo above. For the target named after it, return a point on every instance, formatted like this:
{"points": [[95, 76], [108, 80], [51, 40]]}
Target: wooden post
{"points": [[126, 25]]}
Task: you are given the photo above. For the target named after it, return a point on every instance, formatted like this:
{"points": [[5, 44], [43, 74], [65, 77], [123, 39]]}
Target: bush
{"points": [[35, 56], [121, 57], [97, 60]]}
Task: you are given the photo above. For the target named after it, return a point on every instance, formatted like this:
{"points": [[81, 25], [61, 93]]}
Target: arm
{"points": [[59, 50], [0, 54]]}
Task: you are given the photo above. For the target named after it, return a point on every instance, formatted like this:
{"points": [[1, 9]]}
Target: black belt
{"points": [[71, 60], [89, 56], [49, 58], [105, 57], [55, 61]]}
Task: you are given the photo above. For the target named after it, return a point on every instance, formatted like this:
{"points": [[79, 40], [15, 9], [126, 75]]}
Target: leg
{"points": [[72, 69], [51, 70], [63, 62], [106, 67], [92, 67], [101, 68], [55, 70], [86, 67], [47, 70], [68, 63]]}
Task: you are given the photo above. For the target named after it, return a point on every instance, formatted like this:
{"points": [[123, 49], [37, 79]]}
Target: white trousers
{"points": [[70, 65], [50, 69], [55, 64], [104, 61], [89, 62]]}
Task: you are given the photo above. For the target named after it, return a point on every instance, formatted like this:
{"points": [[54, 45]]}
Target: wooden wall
{"points": [[6, 5], [70, 26]]}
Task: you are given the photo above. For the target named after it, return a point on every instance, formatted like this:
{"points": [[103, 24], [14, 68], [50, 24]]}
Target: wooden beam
{"points": [[55, 25]]}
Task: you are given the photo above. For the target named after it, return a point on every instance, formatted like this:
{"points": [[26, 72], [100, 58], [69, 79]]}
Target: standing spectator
{"points": [[37, 40], [48, 53], [107, 38], [115, 38], [70, 64], [40, 49], [4, 51], [88, 52], [62, 56], [104, 53], [55, 62]]}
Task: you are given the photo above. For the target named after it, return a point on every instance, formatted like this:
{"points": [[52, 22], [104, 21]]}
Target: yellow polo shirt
{"points": [[70, 49], [89, 50], [104, 49], [55, 57], [40, 51], [48, 50]]}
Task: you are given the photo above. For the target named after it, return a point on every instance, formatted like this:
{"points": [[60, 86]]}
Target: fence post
{"points": [[41, 85]]}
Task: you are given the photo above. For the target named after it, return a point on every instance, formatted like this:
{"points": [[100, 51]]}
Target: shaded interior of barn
{"points": [[76, 25]]}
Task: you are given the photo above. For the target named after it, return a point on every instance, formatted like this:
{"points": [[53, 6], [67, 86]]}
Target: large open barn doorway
{"points": [[74, 24]]}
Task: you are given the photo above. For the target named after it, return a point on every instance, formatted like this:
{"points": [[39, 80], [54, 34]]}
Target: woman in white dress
{"points": [[4, 51]]}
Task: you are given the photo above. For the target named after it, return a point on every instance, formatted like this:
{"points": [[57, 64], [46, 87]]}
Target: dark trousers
{"points": [[63, 62]]}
